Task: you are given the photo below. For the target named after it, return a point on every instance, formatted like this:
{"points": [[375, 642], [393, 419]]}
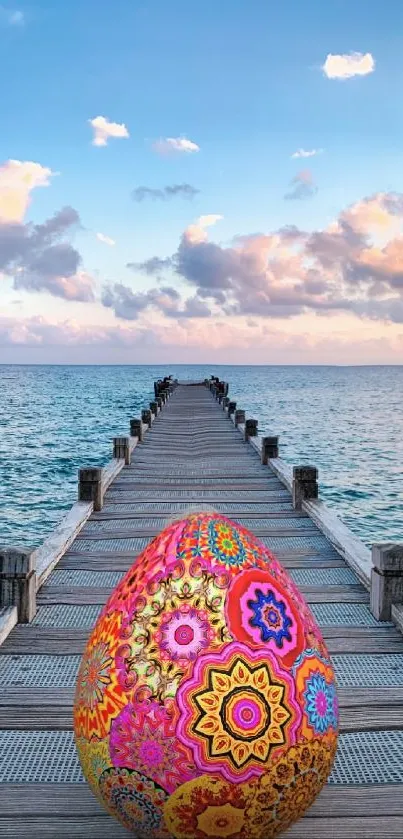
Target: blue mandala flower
{"points": [[320, 699], [269, 615]]}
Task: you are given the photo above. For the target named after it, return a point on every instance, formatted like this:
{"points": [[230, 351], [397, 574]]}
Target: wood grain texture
{"points": [[49, 553], [52, 710], [8, 620]]}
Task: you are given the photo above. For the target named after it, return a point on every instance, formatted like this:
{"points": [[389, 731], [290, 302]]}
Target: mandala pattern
{"points": [[183, 634], [260, 612], [317, 694], [205, 703], [98, 694], [135, 801], [143, 737], [235, 711], [216, 540]]}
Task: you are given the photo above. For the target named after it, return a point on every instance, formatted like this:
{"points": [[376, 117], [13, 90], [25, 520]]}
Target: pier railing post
{"points": [[386, 579], [146, 416], [154, 408], [18, 582], [304, 485], [90, 486], [239, 417], [231, 408], [250, 428], [121, 449], [159, 402], [136, 429], [225, 403], [269, 449]]}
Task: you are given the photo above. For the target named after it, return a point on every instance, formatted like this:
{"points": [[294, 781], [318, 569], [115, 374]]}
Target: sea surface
{"points": [[348, 421]]}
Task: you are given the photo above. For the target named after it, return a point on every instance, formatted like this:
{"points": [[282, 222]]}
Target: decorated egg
{"points": [[206, 704]]}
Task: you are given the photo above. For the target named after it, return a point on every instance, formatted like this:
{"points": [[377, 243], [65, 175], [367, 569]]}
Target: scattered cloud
{"points": [[302, 186], [173, 145], [354, 266], [17, 180], [305, 153], [39, 258], [150, 266], [141, 193], [348, 65], [104, 130], [128, 304], [106, 239], [11, 17]]}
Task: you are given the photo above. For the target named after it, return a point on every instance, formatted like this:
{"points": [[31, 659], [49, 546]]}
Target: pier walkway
{"points": [[193, 456]]}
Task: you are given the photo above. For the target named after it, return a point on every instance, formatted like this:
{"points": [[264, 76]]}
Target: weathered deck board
{"points": [[193, 457]]}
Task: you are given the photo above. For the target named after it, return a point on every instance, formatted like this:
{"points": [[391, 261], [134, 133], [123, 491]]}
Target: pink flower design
{"points": [[143, 738], [183, 634]]}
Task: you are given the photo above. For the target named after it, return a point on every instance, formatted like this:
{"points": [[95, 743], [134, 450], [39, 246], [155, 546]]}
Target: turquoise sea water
{"points": [[348, 421]]}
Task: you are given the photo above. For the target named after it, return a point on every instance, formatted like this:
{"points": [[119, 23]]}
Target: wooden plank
{"points": [[376, 827], [356, 554], [134, 533], [35, 799], [70, 827], [370, 709], [104, 515], [98, 595], [122, 562], [49, 553], [42, 640], [8, 620]]}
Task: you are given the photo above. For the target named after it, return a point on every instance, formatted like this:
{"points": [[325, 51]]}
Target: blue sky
{"points": [[245, 82]]}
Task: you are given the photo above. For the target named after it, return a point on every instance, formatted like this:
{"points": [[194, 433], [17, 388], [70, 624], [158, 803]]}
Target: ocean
{"points": [[347, 421]]}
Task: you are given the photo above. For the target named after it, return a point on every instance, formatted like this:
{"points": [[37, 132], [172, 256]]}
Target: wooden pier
{"points": [[194, 448]]}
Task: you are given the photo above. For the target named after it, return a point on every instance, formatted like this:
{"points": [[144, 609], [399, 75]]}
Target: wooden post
{"points": [[146, 416], [159, 402], [136, 429], [386, 579], [231, 408], [226, 389], [154, 408], [220, 397], [90, 486], [225, 402], [121, 449], [250, 428], [239, 417], [18, 582], [304, 485], [269, 448]]}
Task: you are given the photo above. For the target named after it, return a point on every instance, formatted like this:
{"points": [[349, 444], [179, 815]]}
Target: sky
{"points": [[197, 183]]}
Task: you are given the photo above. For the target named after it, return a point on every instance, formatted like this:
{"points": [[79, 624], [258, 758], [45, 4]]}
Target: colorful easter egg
{"points": [[206, 704]]}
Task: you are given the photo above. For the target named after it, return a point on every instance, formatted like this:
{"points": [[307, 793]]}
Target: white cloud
{"points": [[17, 179], [168, 145], [103, 130], [304, 153], [346, 66], [106, 240], [196, 232], [12, 17]]}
